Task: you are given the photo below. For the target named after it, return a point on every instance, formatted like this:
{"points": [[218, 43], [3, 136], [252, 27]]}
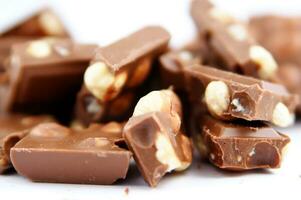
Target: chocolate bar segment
{"points": [[280, 35], [228, 95], [63, 155], [13, 128], [43, 23], [230, 42], [241, 145], [125, 63], [44, 72], [155, 137]]}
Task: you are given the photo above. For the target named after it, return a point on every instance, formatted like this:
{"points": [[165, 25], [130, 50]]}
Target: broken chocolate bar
{"points": [[89, 109], [125, 63], [228, 95], [155, 137], [43, 23], [283, 39], [13, 128], [44, 72], [65, 155], [240, 145], [230, 42]]}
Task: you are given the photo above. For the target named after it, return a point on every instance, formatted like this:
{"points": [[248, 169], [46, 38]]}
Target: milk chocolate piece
{"points": [[43, 23], [230, 42], [44, 73], [154, 136], [125, 63], [280, 35], [241, 145], [53, 153], [89, 109], [228, 95], [12, 129], [172, 64]]}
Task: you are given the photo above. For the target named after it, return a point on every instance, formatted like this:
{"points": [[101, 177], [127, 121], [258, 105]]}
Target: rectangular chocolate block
{"points": [[228, 96], [44, 72], [53, 153], [43, 23], [125, 63], [13, 128], [280, 35], [230, 43], [88, 109], [240, 145], [155, 137]]}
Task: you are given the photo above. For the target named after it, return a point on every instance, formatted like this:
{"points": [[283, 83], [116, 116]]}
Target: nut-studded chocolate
{"points": [[230, 42], [155, 137], [125, 63], [228, 95], [66, 155], [240, 145]]}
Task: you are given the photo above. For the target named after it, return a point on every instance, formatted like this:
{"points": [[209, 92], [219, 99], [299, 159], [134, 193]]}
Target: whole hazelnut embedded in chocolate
{"points": [[39, 49]]}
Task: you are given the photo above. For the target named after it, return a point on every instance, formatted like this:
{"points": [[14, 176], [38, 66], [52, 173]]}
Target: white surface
{"points": [[106, 21]]}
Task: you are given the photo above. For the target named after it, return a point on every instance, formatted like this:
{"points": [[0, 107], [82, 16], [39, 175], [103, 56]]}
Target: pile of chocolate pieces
{"points": [[78, 113]]}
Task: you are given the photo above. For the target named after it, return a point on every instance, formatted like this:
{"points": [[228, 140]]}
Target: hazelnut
{"points": [[50, 130], [282, 116], [265, 60], [102, 83], [51, 24], [217, 97], [237, 106], [238, 32], [39, 49], [166, 154]]}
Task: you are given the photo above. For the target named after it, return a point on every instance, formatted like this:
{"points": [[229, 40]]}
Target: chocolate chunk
{"points": [[89, 109], [228, 95], [154, 136], [172, 64], [44, 73], [12, 129], [43, 23], [65, 155], [241, 145], [283, 39], [230, 42], [125, 63]]}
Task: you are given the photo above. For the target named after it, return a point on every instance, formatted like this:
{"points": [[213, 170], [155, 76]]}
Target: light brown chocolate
{"points": [[125, 63], [155, 137], [64, 155], [228, 95], [13, 128], [240, 145], [230, 43], [43, 73]]}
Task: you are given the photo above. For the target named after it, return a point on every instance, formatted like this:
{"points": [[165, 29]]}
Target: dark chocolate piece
{"points": [[154, 136], [43, 23], [44, 72], [65, 155], [125, 63], [230, 42], [89, 109], [280, 35], [241, 145], [228, 95], [12, 129]]}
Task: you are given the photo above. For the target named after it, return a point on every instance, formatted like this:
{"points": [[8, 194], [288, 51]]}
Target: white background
{"points": [[103, 22]]}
